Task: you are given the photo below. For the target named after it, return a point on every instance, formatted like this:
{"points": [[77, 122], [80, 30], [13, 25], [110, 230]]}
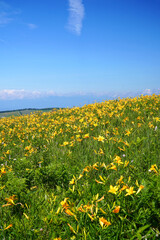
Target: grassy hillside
{"points": [[21, 112], [82, 173]]}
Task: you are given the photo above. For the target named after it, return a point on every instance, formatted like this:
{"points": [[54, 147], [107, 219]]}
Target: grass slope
{"points": [[82, 173]]}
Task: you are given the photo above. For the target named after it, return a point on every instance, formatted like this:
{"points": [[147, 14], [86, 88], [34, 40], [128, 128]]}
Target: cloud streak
{"points": [[76, 15], [32, 26], [7, 13], [14, 94]]}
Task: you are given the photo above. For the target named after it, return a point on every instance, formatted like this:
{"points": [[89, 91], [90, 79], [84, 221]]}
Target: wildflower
{"points": [[123, 188], [157, 119], [153, 168], [99, 200], [2, 187], [95, 165], [120, 180], [126, 163], [117, 159], [3, 171], [103, 222], [113, 189], [80, 209], [8, 152], [100, 139], [140, 188], [71, 228], [9, 226], [116, 210], [102, 211], [26, 216], [99, 181], [80, 176], [10, 201], [101, 151], [73, 180], [64, 203], [130, 191], [113, 167], [69, 212], [86, 169], [128, 132], [86, 135]]}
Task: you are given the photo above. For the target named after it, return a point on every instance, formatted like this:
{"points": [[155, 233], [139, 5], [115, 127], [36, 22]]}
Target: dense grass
{"points": [[21, 112], [82, 173]]}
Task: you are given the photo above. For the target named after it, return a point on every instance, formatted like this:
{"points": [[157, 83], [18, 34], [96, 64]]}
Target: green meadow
{"points": [[89, 173]]}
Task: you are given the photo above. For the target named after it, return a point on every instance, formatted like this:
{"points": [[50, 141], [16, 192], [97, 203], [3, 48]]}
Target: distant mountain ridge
{"points": [[72, 100]]}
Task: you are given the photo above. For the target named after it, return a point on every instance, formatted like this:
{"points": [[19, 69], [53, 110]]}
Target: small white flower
{"points": [[155, 128]]}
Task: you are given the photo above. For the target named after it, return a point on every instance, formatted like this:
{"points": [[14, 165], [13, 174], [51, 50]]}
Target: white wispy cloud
{"points": [[32, 26], [14, 94], [7, 13], [76, 15]]}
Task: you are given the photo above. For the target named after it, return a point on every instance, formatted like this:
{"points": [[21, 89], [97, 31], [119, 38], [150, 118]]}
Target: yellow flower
{"points": [[80, 209], [86, 169], [104, 222], [86, 135], [71, 228], [64, 203], [10, 225], [3, 170], [10, 201], [72, 181], [101, 151], [126, 163], [113, 167], [123, 188], [65, 143], [100, 139], [140, 188], [130, 191], [153, 168], [69, 212], [26, 216], [120, 180], [157, 119], [116, 210], [118, 159], [99, 200], [113, 189], [127, 133]]}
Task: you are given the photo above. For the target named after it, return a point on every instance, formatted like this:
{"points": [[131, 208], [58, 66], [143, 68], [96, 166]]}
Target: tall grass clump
{"points": [[89, 173]]}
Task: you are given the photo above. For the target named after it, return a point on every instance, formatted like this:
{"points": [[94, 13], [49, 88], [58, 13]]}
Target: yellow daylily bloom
{"points": [[113, 167], [130, 191], [113, 189], [140, 188], [100, 139], [26, 216], [104, 222], [117, 209], [9, 226]]}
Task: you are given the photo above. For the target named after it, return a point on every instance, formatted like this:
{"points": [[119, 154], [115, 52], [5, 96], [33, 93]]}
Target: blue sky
{"points": [[78, 47]]}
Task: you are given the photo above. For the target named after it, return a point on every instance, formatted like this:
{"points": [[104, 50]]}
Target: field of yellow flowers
{"points": [[89, 173]]}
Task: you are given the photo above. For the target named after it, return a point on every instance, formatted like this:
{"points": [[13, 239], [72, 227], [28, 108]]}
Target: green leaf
{"points": [[140, 230]]}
